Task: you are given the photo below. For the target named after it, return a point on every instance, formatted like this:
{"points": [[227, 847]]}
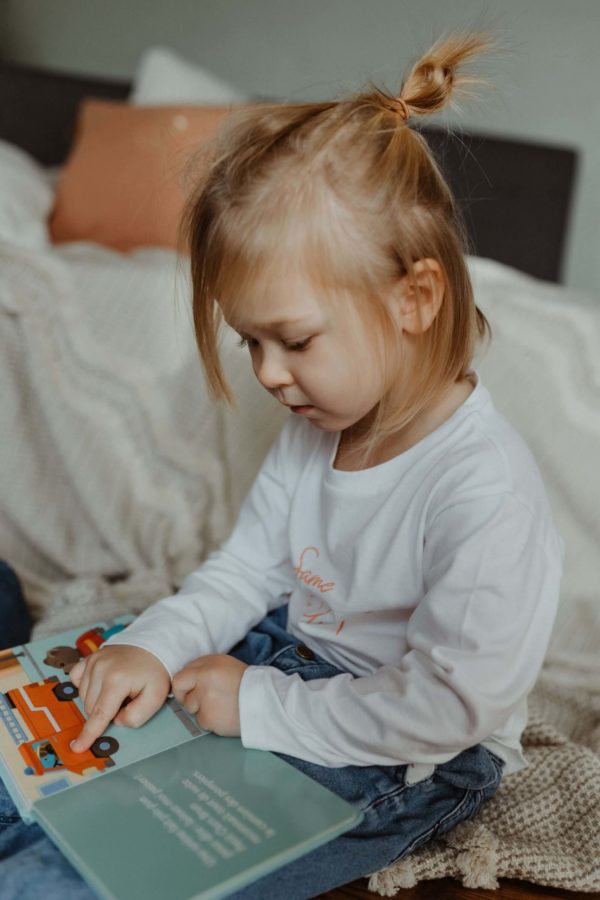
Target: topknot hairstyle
{"points": [[349, 194]]}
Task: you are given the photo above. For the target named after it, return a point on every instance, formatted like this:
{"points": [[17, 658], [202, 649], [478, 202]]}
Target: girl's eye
{"points": [[296, 346], [247, 342], [299, 345]]}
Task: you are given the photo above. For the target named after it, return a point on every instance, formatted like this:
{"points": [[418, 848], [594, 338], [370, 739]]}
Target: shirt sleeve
{"points": [[236, 586], [475, 645]]}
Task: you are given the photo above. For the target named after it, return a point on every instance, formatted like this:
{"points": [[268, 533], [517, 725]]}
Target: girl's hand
{"points": [[208, 688], [111, 676]]}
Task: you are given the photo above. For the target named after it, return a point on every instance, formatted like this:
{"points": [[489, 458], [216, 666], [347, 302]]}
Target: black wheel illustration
{"points": [[65, 690], [104, 746]]}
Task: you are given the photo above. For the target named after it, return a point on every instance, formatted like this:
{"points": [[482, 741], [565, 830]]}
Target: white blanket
{"points": [[115, 466]]}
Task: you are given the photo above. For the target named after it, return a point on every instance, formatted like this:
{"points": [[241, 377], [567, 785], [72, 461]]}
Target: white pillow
{"points": [[543, 371], [26, 197], [163, 78]]}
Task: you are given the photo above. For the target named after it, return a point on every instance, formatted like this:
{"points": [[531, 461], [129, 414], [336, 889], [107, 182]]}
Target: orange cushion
{"points": [[123, 183]]}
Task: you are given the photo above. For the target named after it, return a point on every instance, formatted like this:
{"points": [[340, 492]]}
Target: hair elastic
{"points": [[398, 105]]}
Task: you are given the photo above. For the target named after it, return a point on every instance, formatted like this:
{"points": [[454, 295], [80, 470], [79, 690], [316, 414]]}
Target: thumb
{"points": [[137, 710]]}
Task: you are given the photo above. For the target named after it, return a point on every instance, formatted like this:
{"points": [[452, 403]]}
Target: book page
{"points": [[197, 821]]}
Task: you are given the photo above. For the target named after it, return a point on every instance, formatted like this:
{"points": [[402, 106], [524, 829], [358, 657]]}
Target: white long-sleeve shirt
{"points": [[431, 579]]}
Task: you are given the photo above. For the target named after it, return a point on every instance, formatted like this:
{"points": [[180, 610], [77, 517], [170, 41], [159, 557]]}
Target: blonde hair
{"points": [[352, 197]]}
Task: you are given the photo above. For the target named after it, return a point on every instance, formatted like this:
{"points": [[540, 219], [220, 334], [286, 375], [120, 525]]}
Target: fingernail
{"points": [[75, 745]]}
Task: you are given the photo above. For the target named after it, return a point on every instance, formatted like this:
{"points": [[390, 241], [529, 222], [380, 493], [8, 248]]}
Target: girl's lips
{"points": [[301, 410]]}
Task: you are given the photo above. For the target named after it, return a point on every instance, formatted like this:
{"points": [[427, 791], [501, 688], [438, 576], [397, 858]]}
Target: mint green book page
{"points": [[200, 820]]}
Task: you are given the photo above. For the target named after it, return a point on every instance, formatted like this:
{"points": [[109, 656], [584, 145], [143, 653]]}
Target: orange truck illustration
{"points": [[54, 720]]}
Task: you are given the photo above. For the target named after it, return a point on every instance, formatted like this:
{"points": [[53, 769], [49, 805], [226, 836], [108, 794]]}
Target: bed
{"points": [[118, 475]]}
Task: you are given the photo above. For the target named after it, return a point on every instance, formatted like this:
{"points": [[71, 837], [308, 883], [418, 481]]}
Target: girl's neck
{"points": [[350, 456]]}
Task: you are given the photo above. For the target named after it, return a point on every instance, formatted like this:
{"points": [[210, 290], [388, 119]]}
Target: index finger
{"points": [[106, 708]]}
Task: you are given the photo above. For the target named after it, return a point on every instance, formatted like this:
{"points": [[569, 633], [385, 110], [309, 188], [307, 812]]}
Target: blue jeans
{"points": [[398, 817]]}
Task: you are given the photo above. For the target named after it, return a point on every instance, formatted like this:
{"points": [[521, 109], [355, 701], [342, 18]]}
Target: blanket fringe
{"points": [[470, 855], [477, 857]]}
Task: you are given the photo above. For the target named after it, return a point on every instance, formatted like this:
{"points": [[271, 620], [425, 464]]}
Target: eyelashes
{"points": [[297, 346]]}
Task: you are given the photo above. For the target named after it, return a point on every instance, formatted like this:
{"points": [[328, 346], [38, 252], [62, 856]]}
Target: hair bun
{"points": [[440, 73]]}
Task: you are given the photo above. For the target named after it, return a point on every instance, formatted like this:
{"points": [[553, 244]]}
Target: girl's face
{"points": [[316, 358]]}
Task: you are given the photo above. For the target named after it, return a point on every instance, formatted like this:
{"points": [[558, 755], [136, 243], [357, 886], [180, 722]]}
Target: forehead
{"points": [[275, 301]]}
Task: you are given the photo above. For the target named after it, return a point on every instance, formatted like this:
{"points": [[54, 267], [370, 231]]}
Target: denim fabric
{"points": [[398, 816], [31, 866], [15, 623]]}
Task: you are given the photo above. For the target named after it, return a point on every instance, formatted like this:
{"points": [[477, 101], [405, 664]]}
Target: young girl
{"points": [[382, 608]]}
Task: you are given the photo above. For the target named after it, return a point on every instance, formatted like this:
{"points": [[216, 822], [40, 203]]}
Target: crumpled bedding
{"points": [[116, 469]]}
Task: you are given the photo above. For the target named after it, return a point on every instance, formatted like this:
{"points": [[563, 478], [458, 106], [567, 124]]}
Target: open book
{"points": [[166, 810]]}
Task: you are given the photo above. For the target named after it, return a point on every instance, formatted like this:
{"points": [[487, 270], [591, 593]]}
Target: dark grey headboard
{"points": [[38, 109], [515, 196]]}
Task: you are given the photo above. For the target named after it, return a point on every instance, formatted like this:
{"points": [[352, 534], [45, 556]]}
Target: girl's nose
{"points": [[272, 371]]}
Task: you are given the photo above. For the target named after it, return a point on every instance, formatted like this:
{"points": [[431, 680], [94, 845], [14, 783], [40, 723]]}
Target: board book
{"points": [[165, 810]]}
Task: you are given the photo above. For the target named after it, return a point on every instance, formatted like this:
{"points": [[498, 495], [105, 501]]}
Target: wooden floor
{"points": [[448, 889]]}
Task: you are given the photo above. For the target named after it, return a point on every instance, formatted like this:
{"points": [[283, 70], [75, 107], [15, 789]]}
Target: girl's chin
{"points": [[322, 420], [326, 425]]}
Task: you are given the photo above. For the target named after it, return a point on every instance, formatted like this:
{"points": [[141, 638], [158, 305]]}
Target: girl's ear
{"points": [[420, 295]]}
